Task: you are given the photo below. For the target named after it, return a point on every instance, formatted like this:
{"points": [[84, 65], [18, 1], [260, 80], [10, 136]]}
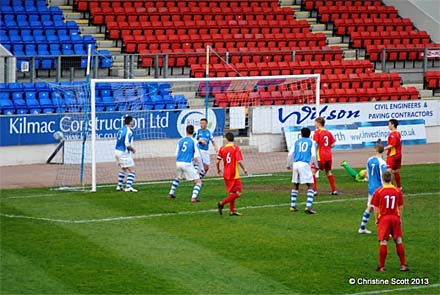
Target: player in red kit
{"points": [[230, 155], [325, 141], [394, 148], [388, 208]]}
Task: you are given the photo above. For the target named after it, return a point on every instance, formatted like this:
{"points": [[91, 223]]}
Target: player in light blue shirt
{"points": [[375, 167], [204, 137], [302, 152], [124, 151], [187, 155]]}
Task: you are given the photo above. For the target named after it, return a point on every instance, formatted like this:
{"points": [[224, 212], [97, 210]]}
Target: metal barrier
{"points": [[72, 67]]}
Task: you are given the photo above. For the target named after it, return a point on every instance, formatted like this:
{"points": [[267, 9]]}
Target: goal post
{"points": [[161, 108]]}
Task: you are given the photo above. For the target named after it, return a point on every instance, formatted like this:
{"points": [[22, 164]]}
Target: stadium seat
{"points": [[32, 102], [19, 103], [6, 107], [181, 101]]}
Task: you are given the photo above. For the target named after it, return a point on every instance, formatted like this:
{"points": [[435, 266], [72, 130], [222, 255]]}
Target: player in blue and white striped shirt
{"points": [[187, 154], [302, 152], [204, 137], [124, 151], [375, 167]]}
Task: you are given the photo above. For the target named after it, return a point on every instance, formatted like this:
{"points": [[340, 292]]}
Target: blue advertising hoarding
{"points": [[39, 129]]}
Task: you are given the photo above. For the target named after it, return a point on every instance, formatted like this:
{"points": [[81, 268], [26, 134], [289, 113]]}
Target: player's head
{"points": [[128, 121], [387, 177], [190, 130], [319, 122], [379, 146], [229, 137], [392, 124], [203, 123], [305, 132]]}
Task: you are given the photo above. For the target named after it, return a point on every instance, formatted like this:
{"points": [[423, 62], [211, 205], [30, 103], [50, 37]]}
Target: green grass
{"points": [[269, 250]]}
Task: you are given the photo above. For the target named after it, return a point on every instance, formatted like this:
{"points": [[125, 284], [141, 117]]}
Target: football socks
{"points": [[130, 179], [293, 195]]}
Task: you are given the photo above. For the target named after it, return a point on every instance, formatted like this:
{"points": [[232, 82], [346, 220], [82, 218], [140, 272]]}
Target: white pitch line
{"points": [[74, 190], [395, 290], [118, 218]]}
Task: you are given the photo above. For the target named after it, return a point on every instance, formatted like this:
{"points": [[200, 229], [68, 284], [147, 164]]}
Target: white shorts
{"points": [[302, 173], [123, 159], [186, 171], [205, 157]]}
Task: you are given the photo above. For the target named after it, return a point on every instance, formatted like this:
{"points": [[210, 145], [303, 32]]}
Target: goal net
{"points": [[161, 109]]}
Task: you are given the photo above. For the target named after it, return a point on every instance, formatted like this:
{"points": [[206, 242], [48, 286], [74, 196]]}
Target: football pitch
{"points": [[108, 242]]}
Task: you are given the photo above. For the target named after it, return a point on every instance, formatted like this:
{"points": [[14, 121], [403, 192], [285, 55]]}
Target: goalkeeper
{"points": [[360, 176]]}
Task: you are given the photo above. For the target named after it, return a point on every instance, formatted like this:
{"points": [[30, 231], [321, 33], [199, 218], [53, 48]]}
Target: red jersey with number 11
{"points": [[387, 199], [230, 154], [324, 141]]}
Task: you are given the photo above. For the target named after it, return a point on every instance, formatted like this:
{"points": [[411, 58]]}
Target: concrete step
{"points": [[343, 46], [90, 30], [65, 8], [327, 33], [334, 40], [137, 73], [59, 2], [295, 8], [302, 14], [317, 27], [419, 86], [114, 51], [70, 15], [104, 43], [311, 20], [82, 22], [426, 93], [98, 37], [286, 2], [349, 53]]}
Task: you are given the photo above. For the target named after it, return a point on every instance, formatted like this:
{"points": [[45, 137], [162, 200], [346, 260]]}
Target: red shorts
{"points": [[325, 165], [233, 185], [389, 225], [394, 163]]}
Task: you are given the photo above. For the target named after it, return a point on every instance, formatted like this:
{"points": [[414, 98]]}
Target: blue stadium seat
{"points": [[109, 103], [30, 50], [164, 88], [71, 102], [6, 107], [66, 49], [45, 102], [105, 60], [41, 86], [32, 102], [157, 102], [99, 105], [55, 49], [19, 102], [58, 102], [169, 102], [147, 104], [28, 86], [181, 101]]}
